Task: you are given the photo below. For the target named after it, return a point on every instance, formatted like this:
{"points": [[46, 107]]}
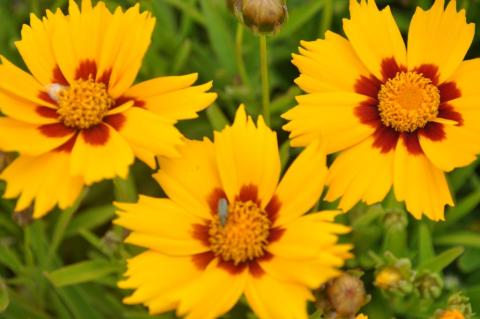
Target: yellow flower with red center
{"points": [[228, 222], [78, 118], [398, 116]]}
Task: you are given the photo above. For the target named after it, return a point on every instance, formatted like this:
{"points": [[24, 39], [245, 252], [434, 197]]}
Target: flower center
{"points": [[83, 104], [408, 102], [241, 233]]}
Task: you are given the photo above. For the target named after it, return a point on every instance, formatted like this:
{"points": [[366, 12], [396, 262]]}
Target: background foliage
{"points": [[54, 269]]}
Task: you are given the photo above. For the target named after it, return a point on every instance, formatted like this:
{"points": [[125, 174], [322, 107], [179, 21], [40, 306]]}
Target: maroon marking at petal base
{"points": [[429, 71], [275, 234], [447, 111], [97, 135], [368, 114], [87, 69], [368, 86], [449, 91], [105, 77], [58, 77], [124, 99], [385, 138], [412, 143], [213, 199], [55, 130], [248, 192], [272, 208], [47, 98], [200, 232], [231, 268], [116, 120], [67, 146], [390, 68], [202, 260], [433, 131], [46, 112], [255, 269]]}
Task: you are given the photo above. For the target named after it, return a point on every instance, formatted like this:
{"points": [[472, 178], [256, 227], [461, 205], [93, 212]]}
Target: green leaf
{"points": [[425, 244], [464, 206], [464, 238], [10, 259], [81, 272], [78, 302], [217, 119], [220, 34], [470, 260], [297, 18], [90, 218], [4, 298], [438, 263]]}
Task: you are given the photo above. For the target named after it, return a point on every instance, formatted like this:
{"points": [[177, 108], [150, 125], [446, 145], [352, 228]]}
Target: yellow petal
{"points": [[360, 173], [465, 78], [328, 65], [374, 35], [440, 37], [248, 155], [307, 237], [30, 139], [207, 298], [459, 147], [420, 184], [157, 279], [101, 153], [149, 131], [272, 299], [192, 178], [307, 173], [176, 103], [36, 51], [44, 179], [162, 225], [24, 110], [330, 115]]}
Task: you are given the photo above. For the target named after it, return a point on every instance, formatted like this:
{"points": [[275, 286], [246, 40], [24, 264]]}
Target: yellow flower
{"points": [[399, 117], [361, 316], [451, 314], [229, 227], [78, 119], [388, 277]]}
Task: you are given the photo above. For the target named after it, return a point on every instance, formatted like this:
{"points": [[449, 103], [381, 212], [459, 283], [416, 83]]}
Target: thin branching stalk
{"points": [[265, 81]]}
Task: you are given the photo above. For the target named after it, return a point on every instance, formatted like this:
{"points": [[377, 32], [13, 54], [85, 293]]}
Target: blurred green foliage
{"points": [[51, 269]]}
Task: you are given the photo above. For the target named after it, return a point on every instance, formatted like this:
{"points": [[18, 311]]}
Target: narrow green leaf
{"points": [[425, 244], [220, 34], [81, 272], [4, 298], [461, 209], [284, 154], [77, 302], [369, 216], [181, 57], [298, 17], [470, 260], [189, 10], [217, 119], [439, 262], [463, 238], [90, 218], [10, 259]]}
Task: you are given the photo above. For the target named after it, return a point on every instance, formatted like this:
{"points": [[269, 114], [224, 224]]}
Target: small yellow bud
{"points": [[263, 16], [451, 314], [361, 316], [387, 278]]}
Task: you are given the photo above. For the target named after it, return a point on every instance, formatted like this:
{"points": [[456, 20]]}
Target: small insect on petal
{"points": [[54, 90], [222, 211]]}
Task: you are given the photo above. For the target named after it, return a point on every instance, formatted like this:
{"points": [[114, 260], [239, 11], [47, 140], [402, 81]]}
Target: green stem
{"points": [[61, 226], [264, 75], [239, 55], [125, 189]]}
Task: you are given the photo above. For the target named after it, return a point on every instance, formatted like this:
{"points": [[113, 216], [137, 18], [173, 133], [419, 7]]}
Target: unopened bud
{"points": [[25, 217], [361, 316], [394, 275], [429, 285], [346, 295], [262, 16], [450, 314]]}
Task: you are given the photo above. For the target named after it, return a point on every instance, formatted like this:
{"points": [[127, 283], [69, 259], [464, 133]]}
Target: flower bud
{"points": [[346, 295], [459, 307], [429, 285], [361, 316], [263, 16], [394, 275], [450, 314]]}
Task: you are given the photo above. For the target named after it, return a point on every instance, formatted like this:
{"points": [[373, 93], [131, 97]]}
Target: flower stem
{"points": [[327, 17], [264, 75], [239, 56]]}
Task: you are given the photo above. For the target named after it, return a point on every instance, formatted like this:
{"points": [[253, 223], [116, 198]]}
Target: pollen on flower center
{"points": [[83, 104], [243, 235], [408, 102]]}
